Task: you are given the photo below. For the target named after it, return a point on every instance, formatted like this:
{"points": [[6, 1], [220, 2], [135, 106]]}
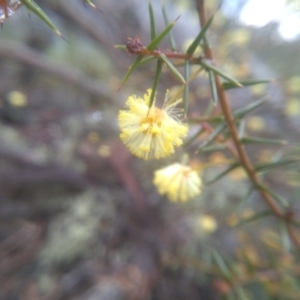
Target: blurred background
{"points": [[79, 216]]}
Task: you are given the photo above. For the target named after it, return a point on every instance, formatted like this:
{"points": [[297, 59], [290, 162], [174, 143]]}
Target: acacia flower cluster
{"points": [[179, 182], [151, 132]]}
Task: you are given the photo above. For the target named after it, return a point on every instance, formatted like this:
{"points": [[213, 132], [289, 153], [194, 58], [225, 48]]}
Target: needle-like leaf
{"points": [[152, 20], [32, 6], [121, 47], [271, 165], [186, 87], [222, 174], [240, 113], [160, 37], [131, 69], [230, 85], [170, 33], [262, 141], [210, 67], [277, 197], [255, 217], [172, 68], [213, 148], [90, 3], [155, 83], [193, 138], [192, 48], [221, 265], [212, 136], [213, 87]]}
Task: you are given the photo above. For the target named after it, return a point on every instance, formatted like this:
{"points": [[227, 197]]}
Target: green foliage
{"points": [[221, 131]]}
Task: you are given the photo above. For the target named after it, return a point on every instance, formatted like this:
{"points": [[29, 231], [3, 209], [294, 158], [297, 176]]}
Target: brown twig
{"points": [[242, 154], [135, 46]]}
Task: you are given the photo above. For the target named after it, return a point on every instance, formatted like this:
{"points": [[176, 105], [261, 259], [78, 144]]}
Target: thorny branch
{"points": [[135, 46], [242, 154]]}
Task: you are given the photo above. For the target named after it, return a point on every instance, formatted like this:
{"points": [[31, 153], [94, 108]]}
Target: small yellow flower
{"points": [[179, 182], [17, 99], [151, 132], [208, 223]]}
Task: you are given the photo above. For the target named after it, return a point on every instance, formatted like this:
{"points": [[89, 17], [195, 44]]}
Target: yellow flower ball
{"points": [[208, 223], [179, 182], [151, 132]]}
